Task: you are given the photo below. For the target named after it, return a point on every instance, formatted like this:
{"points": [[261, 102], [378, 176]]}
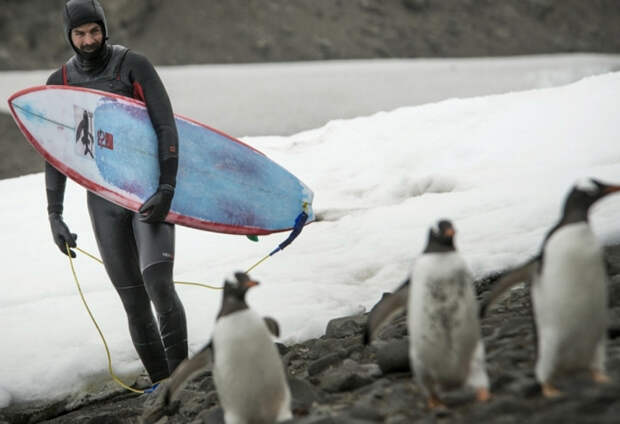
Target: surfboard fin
{"points": [[252, 237]]}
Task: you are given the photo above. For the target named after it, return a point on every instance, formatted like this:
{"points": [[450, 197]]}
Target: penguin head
{"points": [[584, 194], [441, 237], [237, 285], [235, 288]]}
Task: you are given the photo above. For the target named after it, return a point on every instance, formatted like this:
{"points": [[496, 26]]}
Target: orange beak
{"points": [[611, 189], [251, 283]]}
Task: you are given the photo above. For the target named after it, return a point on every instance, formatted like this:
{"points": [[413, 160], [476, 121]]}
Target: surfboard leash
{"points": [[300, 221], [105, 343]]}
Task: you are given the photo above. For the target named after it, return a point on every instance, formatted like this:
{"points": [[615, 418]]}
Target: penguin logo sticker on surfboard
{"points": [[84, 141]]}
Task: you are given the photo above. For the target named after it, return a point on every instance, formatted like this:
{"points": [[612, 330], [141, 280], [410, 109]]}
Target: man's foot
{"points": [[143, 381]]}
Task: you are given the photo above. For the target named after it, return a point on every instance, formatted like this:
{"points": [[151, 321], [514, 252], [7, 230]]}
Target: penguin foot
{"points": [[600, 377], [434, 402], [549, 391], [483, 394]]}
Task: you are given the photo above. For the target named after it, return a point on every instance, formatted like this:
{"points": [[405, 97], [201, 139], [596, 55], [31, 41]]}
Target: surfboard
{"points": [[106, 143]]}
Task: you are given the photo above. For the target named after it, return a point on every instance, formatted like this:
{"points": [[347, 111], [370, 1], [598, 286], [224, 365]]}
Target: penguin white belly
{"points": [[248, 372], [570, 301], [442, 319]]}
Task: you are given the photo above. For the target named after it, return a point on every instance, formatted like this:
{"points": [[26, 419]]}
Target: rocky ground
{"points": [[336, 379]]}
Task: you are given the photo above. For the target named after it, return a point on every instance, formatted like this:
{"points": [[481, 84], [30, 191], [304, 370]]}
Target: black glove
{"points": [[156, 207], [61, 233]]}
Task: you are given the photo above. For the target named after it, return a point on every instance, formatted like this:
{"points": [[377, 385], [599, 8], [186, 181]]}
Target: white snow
{"points": [[498, 166]]}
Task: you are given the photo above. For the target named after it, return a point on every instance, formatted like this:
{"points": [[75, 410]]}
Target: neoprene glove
{"points": [[61, 233], [156, 207]]}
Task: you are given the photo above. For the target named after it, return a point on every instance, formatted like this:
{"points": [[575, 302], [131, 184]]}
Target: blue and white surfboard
{"points": [[106, 143]]}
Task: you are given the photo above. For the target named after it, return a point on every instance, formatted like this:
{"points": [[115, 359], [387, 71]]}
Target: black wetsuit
{"points": [[138, 256]]}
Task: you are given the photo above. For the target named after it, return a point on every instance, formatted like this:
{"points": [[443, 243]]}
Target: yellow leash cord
{"points": [[188, 283], [257, 264], [105, 344]]}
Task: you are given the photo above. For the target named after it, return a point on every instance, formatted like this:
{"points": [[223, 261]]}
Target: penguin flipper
{"points": [[272, 326], [173, 385], [383, 312], [186, 370], [522, 273]]}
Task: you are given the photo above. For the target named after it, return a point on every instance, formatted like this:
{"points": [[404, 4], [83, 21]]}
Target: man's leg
{"points": [[113, 231], [156, 249]]}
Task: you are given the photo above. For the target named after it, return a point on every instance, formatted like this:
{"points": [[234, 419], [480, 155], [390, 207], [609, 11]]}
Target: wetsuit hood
{"points": [[80, 12]]}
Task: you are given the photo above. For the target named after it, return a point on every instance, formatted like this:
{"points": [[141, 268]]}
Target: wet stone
{"points": [[394, 356], [524, 387], [340, 381], [346, 326], [323, 363], [349, 376], [323, 347], [366, 413], [212, 416], [282, 349], [504, 379], [303, 395]]}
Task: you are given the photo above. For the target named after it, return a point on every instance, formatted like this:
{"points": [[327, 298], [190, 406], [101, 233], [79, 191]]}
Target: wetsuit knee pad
{"points": [[154, 242], [160, 287]]}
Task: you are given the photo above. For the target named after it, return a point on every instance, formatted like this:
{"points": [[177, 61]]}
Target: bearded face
{"points": [[87, 38]]}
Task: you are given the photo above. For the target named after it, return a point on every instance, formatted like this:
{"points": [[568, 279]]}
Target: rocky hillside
{"points": [[233, 31]]}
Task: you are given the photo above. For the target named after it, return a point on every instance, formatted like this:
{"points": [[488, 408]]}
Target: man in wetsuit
{"points": [[137, 248]]}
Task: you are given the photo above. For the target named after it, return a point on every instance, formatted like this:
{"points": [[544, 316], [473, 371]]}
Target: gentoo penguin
{"points": [[445, 347], [247, 370], [569, 292]]}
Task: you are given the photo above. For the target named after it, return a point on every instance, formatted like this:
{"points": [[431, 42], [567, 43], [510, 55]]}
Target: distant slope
{"points": [[235, 31], [18, 156]]}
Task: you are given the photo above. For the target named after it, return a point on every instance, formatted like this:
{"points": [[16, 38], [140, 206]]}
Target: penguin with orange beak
{"points": [[569, 292], [248, 372], [445, 345]]}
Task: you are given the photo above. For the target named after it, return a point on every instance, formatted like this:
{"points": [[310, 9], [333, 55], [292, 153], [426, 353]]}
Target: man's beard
{"points": [[90, 51]]}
